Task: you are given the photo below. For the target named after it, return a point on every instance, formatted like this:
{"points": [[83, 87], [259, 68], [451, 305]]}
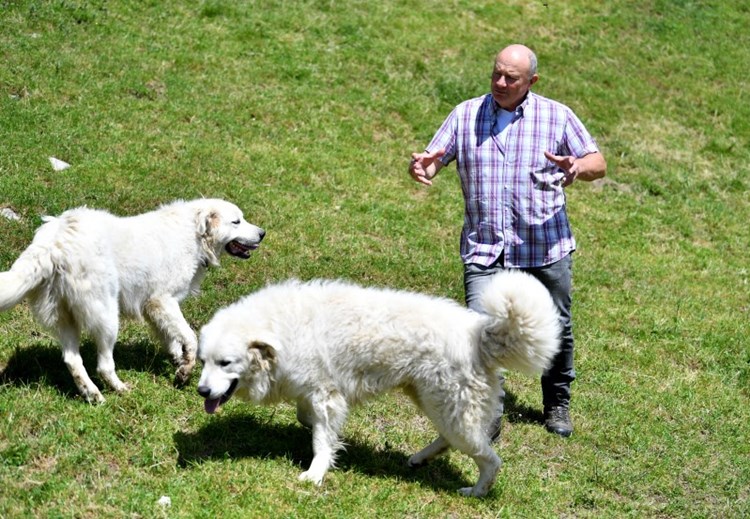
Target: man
{"points": [[515, 151]]}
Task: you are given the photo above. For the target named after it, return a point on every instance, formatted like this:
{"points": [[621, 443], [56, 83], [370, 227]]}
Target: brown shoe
{"points": [[557, 420]]}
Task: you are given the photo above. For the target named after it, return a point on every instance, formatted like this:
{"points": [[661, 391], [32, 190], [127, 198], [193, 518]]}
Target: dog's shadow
{"points": [[246, 436], [42, 363]]}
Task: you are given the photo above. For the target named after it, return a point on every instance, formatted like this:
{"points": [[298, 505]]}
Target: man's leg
{"points": [[476, 278], [557, 380]]}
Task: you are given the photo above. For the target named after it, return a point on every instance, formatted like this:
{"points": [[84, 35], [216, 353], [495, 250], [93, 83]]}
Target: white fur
{"points": [[87, 266], [328, 345]]}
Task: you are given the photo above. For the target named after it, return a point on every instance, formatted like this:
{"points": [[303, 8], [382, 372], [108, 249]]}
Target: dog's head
{"points": [[234, 363], [222, 228]]}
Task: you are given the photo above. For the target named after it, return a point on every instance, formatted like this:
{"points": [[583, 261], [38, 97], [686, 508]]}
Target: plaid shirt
{"points": [[514, 200]]}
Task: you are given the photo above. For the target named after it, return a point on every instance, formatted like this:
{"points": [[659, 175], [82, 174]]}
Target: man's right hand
{"points": [[424, 166]]}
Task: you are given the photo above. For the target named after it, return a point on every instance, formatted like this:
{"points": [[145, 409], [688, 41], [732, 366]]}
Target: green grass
{"points": [[305, 114]]}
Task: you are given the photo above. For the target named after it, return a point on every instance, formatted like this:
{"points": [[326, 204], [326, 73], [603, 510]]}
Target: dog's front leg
{"points": [[178, 338], [324, 451], [329, 412]]}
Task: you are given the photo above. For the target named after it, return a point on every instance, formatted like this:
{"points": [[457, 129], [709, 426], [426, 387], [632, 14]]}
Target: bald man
{"points": [[515, 152]]}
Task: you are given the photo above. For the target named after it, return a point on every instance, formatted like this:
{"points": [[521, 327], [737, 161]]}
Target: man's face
{"points": [[510, 79]]}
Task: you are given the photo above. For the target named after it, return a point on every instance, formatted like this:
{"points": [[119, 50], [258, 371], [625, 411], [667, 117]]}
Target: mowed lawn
{"points": [[305, 115]]}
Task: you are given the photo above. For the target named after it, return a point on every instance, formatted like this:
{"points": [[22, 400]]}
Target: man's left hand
{"points": [[565, 163]]}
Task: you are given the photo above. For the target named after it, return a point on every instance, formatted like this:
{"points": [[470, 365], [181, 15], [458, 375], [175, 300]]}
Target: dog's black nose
{"points": [[204, 391], [262, 234]]}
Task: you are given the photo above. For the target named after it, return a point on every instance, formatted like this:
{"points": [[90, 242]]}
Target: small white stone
{"points": [[9, 213], [58, 165]]}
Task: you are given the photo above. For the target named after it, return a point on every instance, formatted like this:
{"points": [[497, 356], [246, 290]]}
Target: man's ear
{"points": [[263, 354]]}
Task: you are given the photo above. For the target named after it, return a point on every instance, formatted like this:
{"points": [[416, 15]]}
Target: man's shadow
{"points": [[42, 363], [245, 436], [516, 412]]}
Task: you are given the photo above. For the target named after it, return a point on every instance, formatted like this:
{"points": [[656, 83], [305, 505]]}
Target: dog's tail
{"points": [[523, 329], [31, 268]]}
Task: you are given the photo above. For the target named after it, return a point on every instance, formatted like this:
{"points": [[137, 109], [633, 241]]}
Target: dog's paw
{"points": [[317, 479], [93, 397], [415, 462], [472, 491], [182, 375]]}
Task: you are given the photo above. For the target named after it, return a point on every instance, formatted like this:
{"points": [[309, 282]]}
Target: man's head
{"points": [[513, 75]]}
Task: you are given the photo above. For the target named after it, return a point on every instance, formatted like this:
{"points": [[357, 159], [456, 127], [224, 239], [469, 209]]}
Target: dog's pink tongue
{"points": [[211, 405]]}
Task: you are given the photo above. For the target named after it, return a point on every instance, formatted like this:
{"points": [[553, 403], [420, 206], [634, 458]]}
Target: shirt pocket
{"points": [[546, 177]]}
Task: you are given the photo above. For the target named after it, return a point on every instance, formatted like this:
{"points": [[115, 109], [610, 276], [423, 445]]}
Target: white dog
{"points": [[86, 267], [328, 345]]}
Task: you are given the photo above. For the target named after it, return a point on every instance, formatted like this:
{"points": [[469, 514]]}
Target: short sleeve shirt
{"points": [[513, 196]]}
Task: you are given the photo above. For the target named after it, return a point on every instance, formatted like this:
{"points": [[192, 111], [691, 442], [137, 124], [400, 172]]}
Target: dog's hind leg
{"points": [[178, 338], [70, 340], [304, 413], [431, 405], [432, 451], [489, 465], [461, 421], [103, 325], [472, 439], [329, 411]]}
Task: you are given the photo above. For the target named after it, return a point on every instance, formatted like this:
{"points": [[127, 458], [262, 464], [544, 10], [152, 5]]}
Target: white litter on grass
{"points": [[57, 164], [9, 213], [164, 501]]}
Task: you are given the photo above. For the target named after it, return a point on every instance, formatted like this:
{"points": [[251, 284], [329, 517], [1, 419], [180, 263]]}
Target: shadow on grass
{"points": [[516, 412], [236, 437], [42, 363]]}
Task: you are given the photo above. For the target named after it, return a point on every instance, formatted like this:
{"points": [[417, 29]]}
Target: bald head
{"points": [[513, 75], [520, 55]]}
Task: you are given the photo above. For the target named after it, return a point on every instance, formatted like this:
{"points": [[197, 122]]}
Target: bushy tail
{"points": [[523, 329], [31, 268]]}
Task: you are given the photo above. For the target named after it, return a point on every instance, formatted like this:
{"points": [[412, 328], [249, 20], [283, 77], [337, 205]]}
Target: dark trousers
{"points": [[557, 277]]}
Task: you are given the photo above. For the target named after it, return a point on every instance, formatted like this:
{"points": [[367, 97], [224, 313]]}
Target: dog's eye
{"points": [[236, 222], [224, 363]]}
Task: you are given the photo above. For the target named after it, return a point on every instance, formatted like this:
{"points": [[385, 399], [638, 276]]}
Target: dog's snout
{"points": [[204, 391], [261, 234]]}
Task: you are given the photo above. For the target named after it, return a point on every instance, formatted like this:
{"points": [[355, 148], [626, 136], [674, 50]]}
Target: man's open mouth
{"points": [[239, 249], [212, 404]]}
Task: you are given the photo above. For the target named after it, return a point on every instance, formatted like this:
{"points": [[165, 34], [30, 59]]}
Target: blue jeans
{"points": [[557, 277]]}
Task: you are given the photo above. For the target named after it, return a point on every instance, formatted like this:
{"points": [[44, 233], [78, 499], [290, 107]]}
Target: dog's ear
{"points": [[263, 354], [206, 221]]}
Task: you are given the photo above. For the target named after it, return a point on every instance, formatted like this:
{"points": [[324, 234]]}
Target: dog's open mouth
{"points": [[239, 249], [212, 404]]}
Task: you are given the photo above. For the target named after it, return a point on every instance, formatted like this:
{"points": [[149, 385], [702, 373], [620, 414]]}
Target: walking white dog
{"points": [[328, 345], [86, 267]]}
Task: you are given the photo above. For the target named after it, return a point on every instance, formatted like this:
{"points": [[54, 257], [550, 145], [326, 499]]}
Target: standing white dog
{"points": [[328, 345], [86, 267]]}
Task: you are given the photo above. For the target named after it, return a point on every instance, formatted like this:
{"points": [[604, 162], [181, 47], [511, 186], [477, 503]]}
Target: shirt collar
{"points": [[520, 109]]}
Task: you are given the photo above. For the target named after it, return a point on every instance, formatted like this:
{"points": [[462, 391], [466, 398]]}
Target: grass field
{"points": [[305, 114]]}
